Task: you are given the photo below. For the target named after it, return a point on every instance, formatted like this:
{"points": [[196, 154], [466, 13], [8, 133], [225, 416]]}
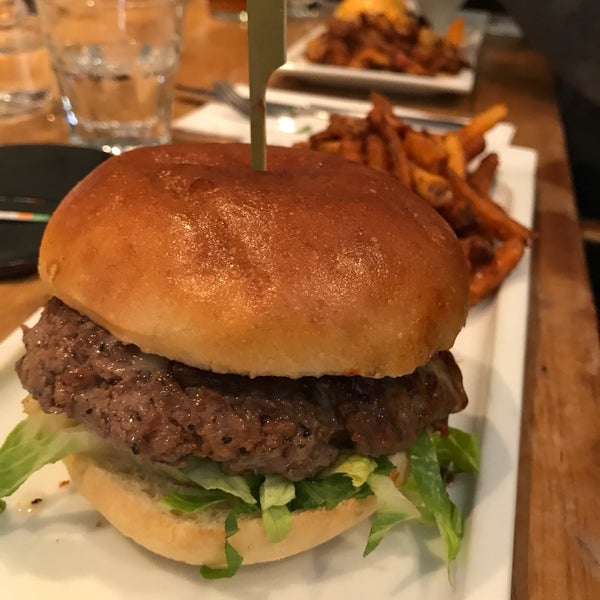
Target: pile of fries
{"points": [[435, 166], [373, 41]]}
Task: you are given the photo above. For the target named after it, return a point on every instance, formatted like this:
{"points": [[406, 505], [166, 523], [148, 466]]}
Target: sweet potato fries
{"points": [[436, 167]]}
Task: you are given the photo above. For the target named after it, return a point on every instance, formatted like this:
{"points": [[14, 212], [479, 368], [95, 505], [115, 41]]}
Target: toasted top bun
{"points": [[316, 266]]}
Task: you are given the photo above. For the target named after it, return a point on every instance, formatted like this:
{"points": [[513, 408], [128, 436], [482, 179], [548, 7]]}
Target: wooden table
{"points": [[557, 536]]}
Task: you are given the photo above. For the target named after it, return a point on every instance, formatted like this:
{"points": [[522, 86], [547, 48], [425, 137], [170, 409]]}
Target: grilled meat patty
{"points": [[166, 411]]}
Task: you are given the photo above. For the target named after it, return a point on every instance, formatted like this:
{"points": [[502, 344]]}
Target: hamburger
{"points": [[237, 366]]}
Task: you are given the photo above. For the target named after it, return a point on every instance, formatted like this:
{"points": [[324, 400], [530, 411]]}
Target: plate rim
{"points": [[461, 83]]}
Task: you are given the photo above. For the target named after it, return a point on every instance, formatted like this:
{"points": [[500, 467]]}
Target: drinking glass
{"points": [[115, 62], [26, 79]]}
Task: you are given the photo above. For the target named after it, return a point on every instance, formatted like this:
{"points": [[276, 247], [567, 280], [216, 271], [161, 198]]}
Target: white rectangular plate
{"points": [[61, 549], [461, 83]]}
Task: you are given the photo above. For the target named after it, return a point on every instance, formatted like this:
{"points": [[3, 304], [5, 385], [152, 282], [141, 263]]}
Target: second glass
{"points": [[115, 62]]}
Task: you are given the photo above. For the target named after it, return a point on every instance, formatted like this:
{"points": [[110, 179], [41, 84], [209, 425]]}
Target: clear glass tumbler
{"points": [[115, 62], [26, 80]]}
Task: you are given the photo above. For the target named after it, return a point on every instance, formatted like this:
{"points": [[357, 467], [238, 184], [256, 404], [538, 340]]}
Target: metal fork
{"points": [[226, 93]]}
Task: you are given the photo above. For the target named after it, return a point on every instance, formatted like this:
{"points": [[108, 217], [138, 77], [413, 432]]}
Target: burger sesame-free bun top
{"points": [[315, 266]]}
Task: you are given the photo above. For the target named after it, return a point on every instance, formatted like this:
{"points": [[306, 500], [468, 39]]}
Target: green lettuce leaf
{"points": [[39, 440], [357, 467], [277, 521], [195, 500], [275, 493], [411, 491], [326, 492], [384, 466], [427, 481], [392, 508], [208, 474], [232, 557], [458, 451]]}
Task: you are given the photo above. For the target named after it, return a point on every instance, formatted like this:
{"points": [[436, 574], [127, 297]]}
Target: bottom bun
{"points": [[129, 501]]}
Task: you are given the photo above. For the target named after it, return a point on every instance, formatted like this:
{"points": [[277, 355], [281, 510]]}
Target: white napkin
{"points": [[215, 118]]}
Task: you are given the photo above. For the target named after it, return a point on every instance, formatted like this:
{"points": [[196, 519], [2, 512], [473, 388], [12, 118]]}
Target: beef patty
{"points": [[166, 411]]}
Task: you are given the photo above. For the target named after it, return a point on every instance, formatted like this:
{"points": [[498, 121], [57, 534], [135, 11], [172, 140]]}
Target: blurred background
{"points": [[578, 103]]}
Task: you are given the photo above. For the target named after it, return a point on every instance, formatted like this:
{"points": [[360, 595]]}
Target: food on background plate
{"points": [[384, 35], [237, 366], [351, 9], [438, 168]]}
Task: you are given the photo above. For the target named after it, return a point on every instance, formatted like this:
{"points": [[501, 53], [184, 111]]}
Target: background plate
{"points": [[461, 83]]}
